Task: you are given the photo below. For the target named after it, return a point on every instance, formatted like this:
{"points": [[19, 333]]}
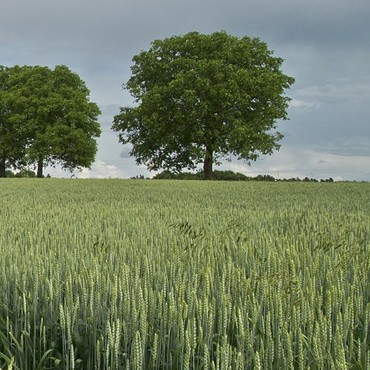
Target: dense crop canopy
{"points": [[140, 274]]}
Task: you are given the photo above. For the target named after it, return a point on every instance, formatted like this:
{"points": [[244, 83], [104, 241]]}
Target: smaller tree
{"points": [[201, 98], [12, 133], [50, 113]]}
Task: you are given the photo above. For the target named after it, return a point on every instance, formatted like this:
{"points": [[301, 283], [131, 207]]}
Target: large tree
{"points": [[200, 98], [56, 121]]}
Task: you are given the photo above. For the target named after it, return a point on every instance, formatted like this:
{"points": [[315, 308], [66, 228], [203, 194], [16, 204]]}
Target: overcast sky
{"points": [[325, 45]]}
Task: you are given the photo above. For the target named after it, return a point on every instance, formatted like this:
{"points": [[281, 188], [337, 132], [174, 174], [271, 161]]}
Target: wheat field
{"points": [[146, 274]]}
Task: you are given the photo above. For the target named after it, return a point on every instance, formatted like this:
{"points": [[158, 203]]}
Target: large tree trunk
{"points": [[208, 165], [2, 168], [40, 166]]}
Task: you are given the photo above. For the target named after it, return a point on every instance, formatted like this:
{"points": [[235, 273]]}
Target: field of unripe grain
{"points": [[146, 274]]}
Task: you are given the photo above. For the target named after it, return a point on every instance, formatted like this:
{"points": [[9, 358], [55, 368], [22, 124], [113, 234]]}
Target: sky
{"points": [[325, 45]]}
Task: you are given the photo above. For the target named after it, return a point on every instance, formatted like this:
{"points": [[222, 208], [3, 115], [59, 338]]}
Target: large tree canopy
{"points": [[200, 98], [46, 117]]}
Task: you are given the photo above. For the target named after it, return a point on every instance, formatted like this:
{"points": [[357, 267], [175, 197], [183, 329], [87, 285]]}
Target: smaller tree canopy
{"points": [[46, 118], [12, 140], [200, 98]]}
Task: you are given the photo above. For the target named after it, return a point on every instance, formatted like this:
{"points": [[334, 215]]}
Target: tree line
{"points": [[229, 175], [46, 117]]}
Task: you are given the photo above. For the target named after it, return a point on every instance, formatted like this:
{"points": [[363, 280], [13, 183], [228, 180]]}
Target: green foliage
{"points": [[201, 98], [129, 274], [22, 173], [230, 176], [168, 175], [9, 173], [46, 118], [264, 178], [25, 173], [219, 175]]}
